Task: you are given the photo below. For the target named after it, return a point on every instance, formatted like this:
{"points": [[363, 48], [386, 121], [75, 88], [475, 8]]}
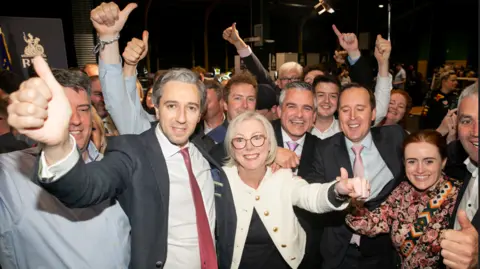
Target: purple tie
{"points": [[208, 256], [292, 145]]}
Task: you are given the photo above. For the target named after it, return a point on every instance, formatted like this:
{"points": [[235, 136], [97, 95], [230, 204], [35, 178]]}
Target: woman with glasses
{"points": [[268, 234]]}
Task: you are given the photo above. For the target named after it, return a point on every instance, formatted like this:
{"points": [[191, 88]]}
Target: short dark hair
{"points": [[327, 78], [315, 67], [9, 81], [349, 86], [242, 77], [75, 79], [214, 85]]}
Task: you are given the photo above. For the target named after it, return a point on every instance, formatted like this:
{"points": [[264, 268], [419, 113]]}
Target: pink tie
{"points": [[208, 256], [358, 169], [292, 145]]}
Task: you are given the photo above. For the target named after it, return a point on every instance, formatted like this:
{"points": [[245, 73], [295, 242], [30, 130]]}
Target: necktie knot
{"points": [[357, 149], [292, 145]]}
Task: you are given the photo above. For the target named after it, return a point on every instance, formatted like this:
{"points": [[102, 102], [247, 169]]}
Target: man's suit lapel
{"points": [[306, 159], [154, 154], [341, 155], [461, 192], [277, 128], [388, 155]]}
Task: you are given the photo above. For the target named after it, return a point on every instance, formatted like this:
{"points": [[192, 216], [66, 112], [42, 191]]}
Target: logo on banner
{"points": [[33, 48]]}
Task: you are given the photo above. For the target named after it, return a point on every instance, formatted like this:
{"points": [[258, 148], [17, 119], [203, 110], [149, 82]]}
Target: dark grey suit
{"points": [[134, 172]]}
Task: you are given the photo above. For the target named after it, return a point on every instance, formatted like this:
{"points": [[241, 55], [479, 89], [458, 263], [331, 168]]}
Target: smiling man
{"points": [[373, 153]]}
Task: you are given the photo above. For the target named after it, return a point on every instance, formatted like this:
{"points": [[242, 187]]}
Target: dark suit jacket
{"points": [[330, 155], [204, 140], [456, 168], [135, 173], [309, 221]]}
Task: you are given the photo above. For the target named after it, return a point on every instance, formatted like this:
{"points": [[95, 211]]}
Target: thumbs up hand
{"points": [[460, 248], [40, 108], [231, 34], [108, 20], [136, 50], [357, 188]]}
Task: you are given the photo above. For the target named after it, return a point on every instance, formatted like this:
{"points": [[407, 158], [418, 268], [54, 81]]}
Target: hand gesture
{"points": [[136, 50], [448, 120], [349, 41], [231, 34], [383, 48], [108, 20], [286, 158], [340, 56], [357, 188], [40, 108], [460, 248]]}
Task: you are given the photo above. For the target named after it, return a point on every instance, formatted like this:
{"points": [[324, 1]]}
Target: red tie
{"points": [[208, 256]]}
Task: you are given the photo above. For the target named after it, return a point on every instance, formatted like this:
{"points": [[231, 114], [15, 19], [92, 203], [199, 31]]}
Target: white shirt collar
{"points": [[287, 138], [472, 168], [168, 149], [330, 128], [366, 142]]}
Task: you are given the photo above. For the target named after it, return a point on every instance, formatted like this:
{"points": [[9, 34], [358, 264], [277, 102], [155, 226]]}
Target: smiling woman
{"points": [[428, 192], [268, 233]]}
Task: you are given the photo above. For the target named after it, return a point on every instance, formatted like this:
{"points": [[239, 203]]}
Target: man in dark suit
{"points": [[460, 245], [297, 110], [149, 174], [373, 153]]}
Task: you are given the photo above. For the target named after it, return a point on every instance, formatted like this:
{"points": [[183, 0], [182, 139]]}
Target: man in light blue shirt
{"points": [[37, 230]]}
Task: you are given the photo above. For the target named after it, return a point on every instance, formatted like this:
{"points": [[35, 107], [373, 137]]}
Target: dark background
{"points": [[433, 30]]}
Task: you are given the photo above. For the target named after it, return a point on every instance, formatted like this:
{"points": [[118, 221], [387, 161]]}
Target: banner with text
{"points": [[29, 37]]}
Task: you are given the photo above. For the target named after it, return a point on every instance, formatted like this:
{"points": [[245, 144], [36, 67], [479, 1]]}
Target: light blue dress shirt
{"points": [[38, 231], [375, 169], [122, 101]]}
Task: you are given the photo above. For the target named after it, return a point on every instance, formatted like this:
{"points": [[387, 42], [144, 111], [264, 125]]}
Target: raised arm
{"points": [[127, 114], [323, 198], [383, 87], [251, 61], [40, 110]]}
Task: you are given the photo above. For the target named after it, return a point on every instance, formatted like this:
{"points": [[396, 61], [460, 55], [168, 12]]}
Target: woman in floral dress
{"points": [[419, 209]]}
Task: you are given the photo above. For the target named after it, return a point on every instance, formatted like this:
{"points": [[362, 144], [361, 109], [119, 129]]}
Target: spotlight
{"points": [[323, 6], [380, 6]]}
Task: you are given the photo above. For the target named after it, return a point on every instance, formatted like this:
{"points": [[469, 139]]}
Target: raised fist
{"points": [[231, 34], [383, 48], [40, 108], [108, 20], [136, 50]]}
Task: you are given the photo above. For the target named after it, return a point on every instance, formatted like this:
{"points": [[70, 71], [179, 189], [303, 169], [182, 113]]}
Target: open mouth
{"points": [[251, 156], [297, 122], [421, 177]]}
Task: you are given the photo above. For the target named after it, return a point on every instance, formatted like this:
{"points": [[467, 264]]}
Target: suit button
{"points": [[266, 213], [159, 264], [257, 197], [292, 258], [284, 246], [275, 229]]}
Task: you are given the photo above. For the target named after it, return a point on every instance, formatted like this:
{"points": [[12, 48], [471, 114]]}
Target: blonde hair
{"points": [[232, 129], [290, 66], [98, 121]]}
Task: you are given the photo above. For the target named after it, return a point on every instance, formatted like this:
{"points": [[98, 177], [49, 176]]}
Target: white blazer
{"points": [[273, 200]]}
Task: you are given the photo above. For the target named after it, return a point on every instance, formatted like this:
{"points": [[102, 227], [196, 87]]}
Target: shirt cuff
{"points": [[352, 61], [244, 52], [48, 174], [332, 201]]}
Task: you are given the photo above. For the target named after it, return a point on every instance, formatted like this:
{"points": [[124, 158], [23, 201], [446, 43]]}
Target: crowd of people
{"points": [[313, 169]]}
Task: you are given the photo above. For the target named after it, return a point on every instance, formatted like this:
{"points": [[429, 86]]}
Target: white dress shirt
{"points": [[469, 202], [183, 251], [273, 200], [330, 131]]}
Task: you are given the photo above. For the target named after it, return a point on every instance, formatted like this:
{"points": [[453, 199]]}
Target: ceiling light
{"points": [[380, 6]]}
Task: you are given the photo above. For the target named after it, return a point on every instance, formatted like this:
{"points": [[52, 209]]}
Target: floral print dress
{"points": [[397, 216]]}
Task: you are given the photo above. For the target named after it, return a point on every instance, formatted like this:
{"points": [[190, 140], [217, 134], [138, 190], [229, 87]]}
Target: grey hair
{"points": [[181, 75], [467, 92], [297, 85], [290, 66], [232, 129]]}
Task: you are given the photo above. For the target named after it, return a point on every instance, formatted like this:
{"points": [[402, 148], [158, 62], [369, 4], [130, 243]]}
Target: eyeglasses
{"points": [[290, 79], [241, 143]]}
